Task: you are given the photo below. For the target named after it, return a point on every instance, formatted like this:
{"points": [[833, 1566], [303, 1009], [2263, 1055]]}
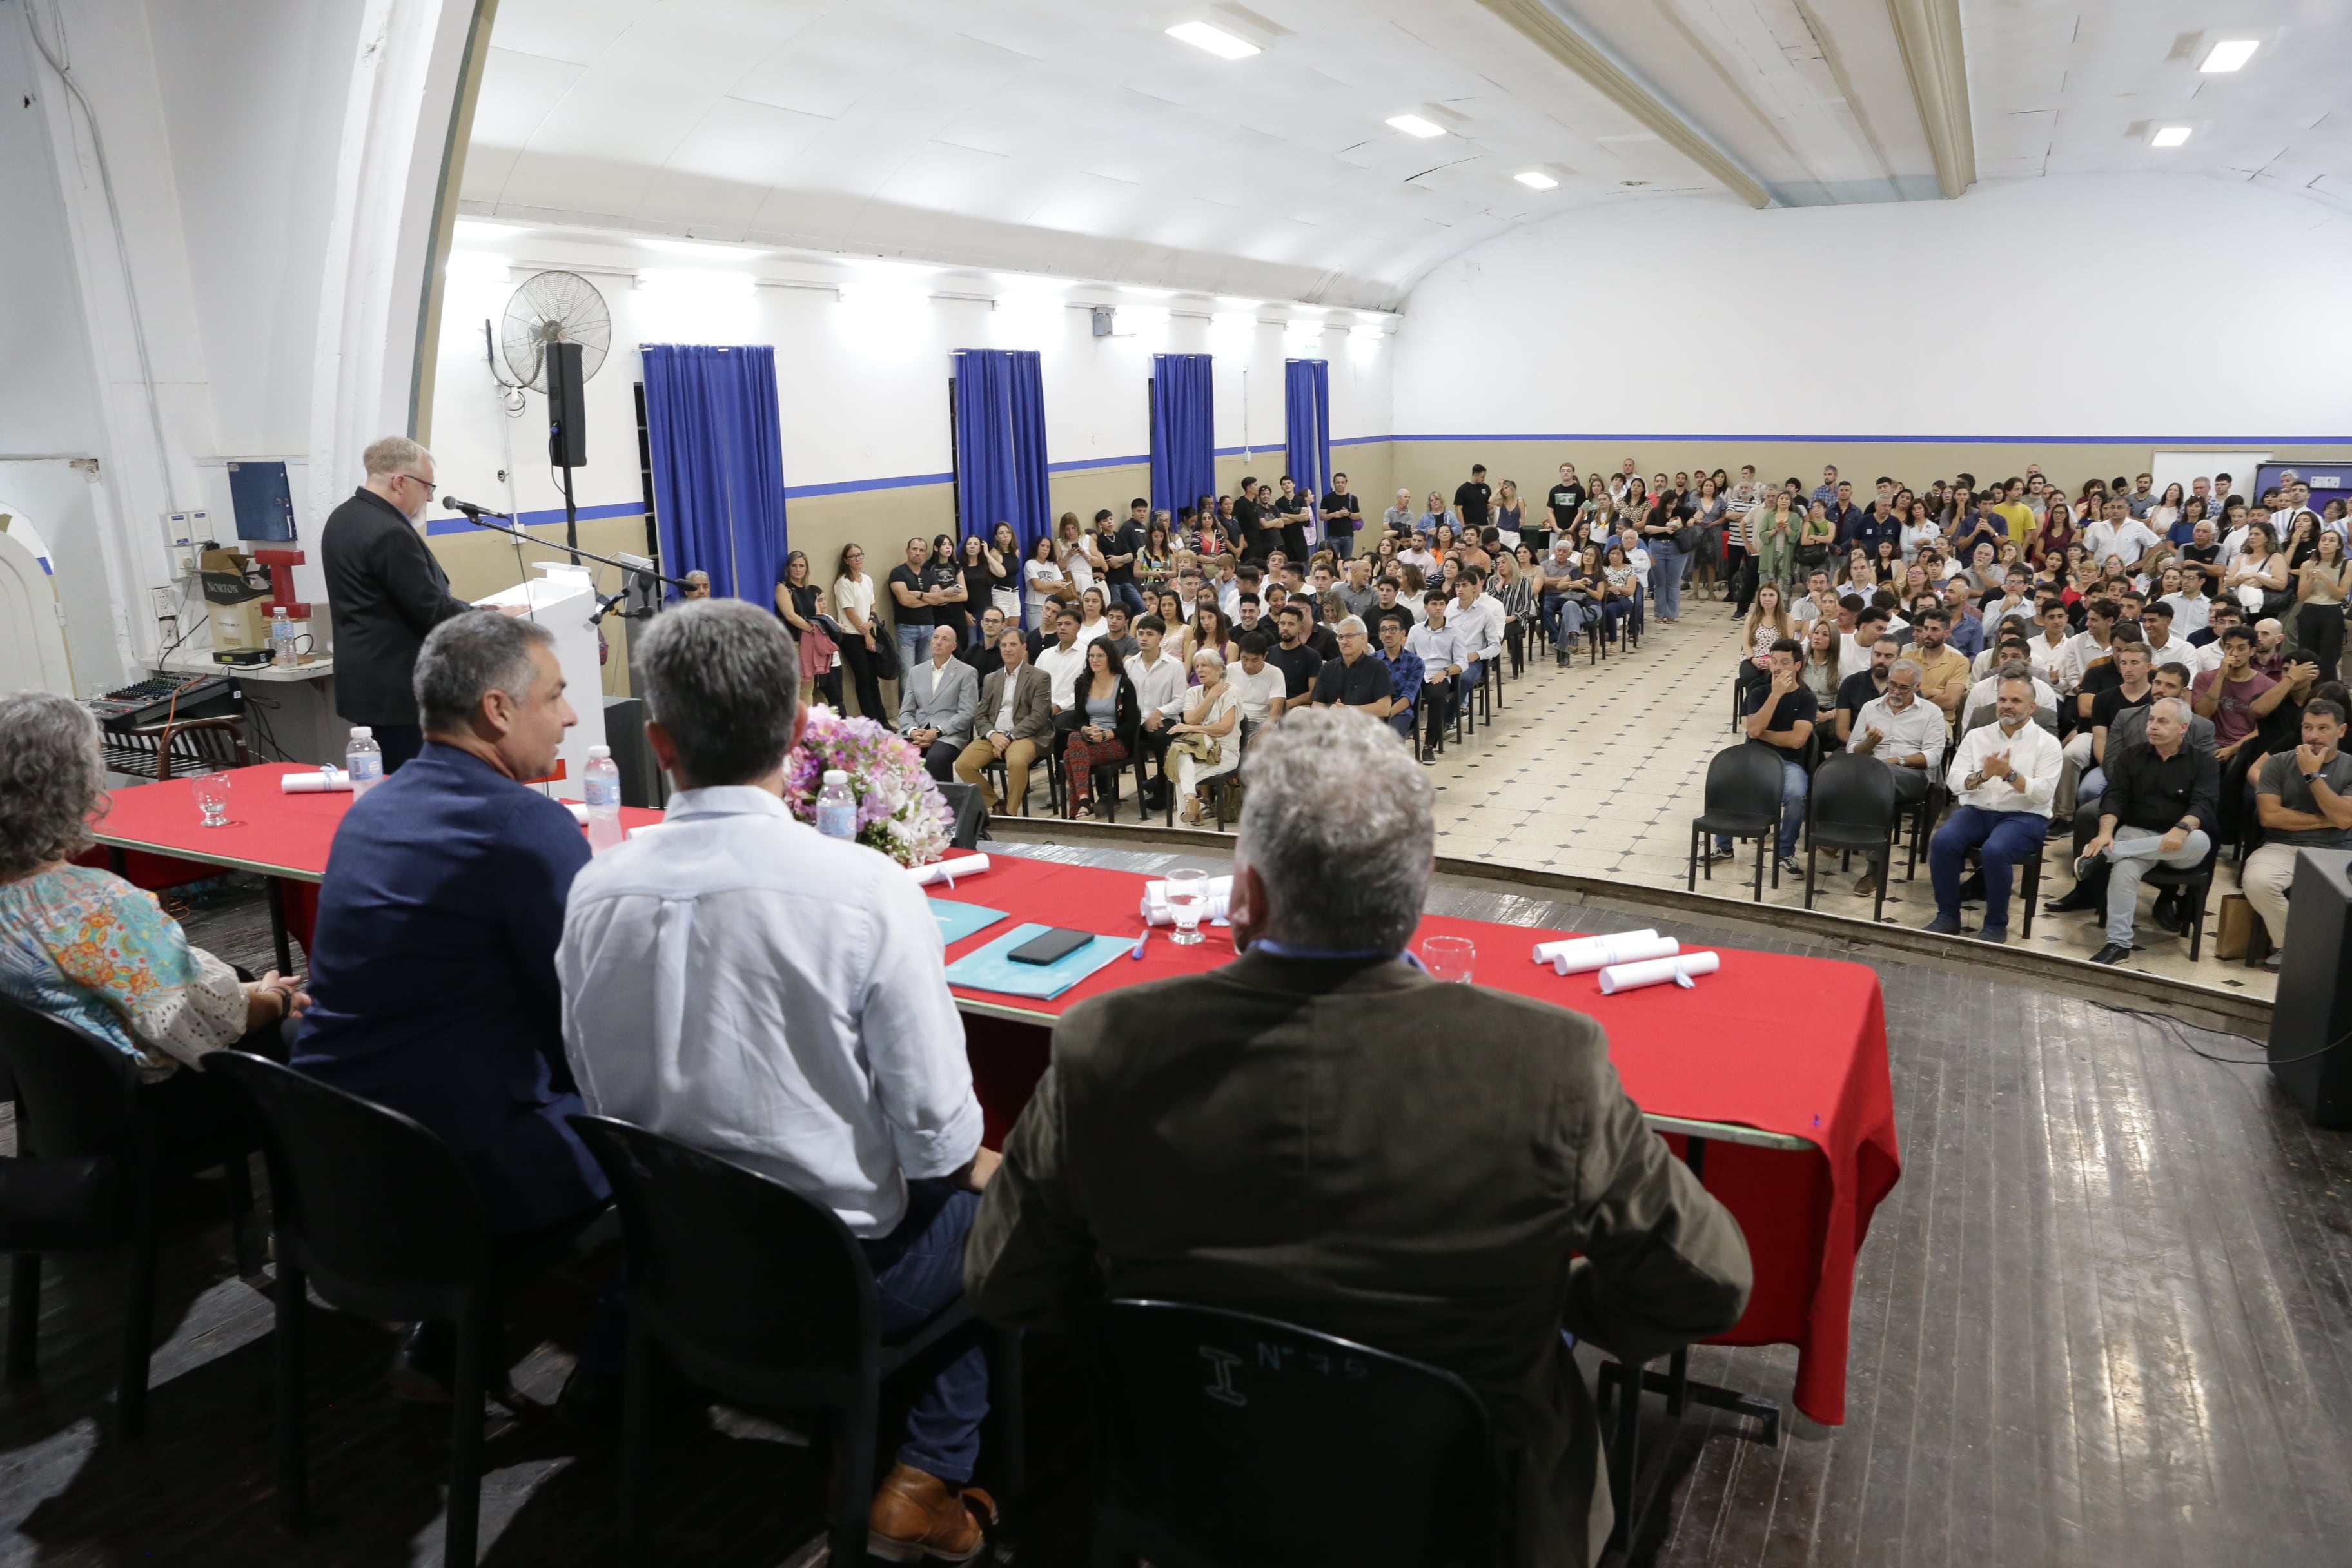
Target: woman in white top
{"points": [[2164, 512], [2259, 573], [1918, 529], [1214, 715], [853, 605], [1040, 579], [1091, 623], [1076, 553]]}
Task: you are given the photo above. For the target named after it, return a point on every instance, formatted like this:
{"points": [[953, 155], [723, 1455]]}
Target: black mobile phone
{"points": [[1047, 947]]}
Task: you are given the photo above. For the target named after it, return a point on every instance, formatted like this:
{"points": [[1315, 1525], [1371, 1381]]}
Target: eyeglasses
{"points": [[430, 489]]}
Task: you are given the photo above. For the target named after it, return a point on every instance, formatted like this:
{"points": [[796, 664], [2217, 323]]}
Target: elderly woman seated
{"points": [[84, 946]]}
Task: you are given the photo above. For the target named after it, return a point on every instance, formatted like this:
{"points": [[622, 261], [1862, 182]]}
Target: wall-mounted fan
{"points": [[552, 308]]}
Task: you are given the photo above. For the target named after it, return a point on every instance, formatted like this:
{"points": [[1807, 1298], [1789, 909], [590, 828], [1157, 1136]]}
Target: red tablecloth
{"points": [[1726, 1051], [280, 835]]}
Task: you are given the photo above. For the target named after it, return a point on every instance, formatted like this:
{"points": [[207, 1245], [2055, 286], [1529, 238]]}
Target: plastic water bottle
{"points": [[363, 760], [604, 787], [281, 638], [836, 808]]}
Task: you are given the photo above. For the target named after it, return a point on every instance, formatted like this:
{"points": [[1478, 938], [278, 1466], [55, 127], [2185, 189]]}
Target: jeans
{"points": [[1342, 541], [1794, 783], [2001, 839], [914, 645], [1466, 684], [917, 1275], [1131, 595], [2129, 858], [1562, 618], [1402, 721], [1667, 578]]}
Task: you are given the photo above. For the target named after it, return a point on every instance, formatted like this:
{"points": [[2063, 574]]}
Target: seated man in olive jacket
{"points": [[1479, 1180]]}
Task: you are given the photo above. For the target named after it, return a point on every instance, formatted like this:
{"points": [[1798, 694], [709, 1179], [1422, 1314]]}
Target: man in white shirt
{"points": [[1477, 619], [2003, 776], [2117, 533], [749, 987], [2046, 649], [2015, 599], [1905, 734], [2010, 662], [2160, 630], [1442, 662], [2086, 647], [1258, 687], [1063, 662], [1159, 678]]}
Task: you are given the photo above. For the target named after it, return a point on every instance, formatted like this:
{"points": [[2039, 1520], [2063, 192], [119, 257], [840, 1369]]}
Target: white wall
{"points": [[2149, 307], [863, 385]]}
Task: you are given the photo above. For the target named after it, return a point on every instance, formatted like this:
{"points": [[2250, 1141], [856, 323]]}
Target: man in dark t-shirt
{"points": [[1298, 663], [1290, 510], [1471, 499], [1357, 679], [910, 609], [1343, 514], [1781, 715], [1566, 498], [1865, 685]]}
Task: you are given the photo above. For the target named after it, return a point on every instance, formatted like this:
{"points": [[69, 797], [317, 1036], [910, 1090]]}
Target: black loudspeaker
{"points": [[567, 407], [971, 814], [642, 783], [2311, 1017]]}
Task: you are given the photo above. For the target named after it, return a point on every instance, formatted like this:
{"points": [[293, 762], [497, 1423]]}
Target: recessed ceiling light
{"points": [[2170, 136], [1536, 180], [2229, 54], [1414, 125], [1216, 40]]}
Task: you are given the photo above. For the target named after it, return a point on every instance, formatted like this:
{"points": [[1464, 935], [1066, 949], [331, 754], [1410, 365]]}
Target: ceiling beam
{"points": [[1929, 34], [1557, 37]]}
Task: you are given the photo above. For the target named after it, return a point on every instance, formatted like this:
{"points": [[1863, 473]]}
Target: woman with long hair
{"points": [[853, 598], [1003, 558], [2165, 512], [1708, 510], [2261, 567], [979, 582], [799, 601], [1208, 628], [1042, 580], [1818, 670], [1515, 592], [1768, 622], [1156, 562], [1776, 523], [944, 571], [1100, 727], [1511, 513], [1621, 583], [1074, 552], [2052, 535], [1590, 586]]}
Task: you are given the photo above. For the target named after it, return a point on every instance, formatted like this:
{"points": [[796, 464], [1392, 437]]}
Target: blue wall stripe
{"points": [[540, 518], [846, 487], [1142, 459]]}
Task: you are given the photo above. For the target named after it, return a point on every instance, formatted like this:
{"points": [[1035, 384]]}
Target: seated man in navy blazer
{"points": [[433, 965]]}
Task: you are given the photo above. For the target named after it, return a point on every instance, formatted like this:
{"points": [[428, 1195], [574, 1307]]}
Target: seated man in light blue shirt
{"points": [[743, 985]]}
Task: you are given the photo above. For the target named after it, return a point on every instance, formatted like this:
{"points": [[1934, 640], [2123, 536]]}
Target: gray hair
{"points": [[394, 455], [469, 656], [1912, 664], [51, 779], [2181, 710], [2016, 669], [723, 679], [1339, 821], [1350, 624]]}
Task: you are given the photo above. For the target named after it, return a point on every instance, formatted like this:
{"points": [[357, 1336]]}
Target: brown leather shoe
{"points": [[916, 1516]]}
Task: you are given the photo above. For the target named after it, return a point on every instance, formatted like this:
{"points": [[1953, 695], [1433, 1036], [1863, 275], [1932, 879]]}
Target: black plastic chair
{"points": [[764, 1298], [1218, 1424], [90, 1152], [2192, 884], [380, 1216], [1851, 806], [1743, 801]]}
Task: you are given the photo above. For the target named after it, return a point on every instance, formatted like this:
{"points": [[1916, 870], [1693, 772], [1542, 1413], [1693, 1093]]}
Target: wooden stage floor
{"points": [[2102, 1320]]}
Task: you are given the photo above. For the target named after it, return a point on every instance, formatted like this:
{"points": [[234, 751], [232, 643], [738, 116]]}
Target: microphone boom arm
{"points": [[476, 515]]}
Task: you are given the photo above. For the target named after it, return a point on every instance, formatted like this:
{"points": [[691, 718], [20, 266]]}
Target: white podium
{"points": [[562, 601]]}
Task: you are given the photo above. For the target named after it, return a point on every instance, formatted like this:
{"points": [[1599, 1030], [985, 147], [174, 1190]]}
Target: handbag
{"points": [[1688, 538], [885, 654], [1202, 749]]}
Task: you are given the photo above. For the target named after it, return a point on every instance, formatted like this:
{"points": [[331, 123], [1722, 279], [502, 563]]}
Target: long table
{"points": [[1772, 1071]]}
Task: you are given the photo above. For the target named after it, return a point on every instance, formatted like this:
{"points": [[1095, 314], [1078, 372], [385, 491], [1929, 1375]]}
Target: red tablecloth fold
{"points": [[1789, 1045]]}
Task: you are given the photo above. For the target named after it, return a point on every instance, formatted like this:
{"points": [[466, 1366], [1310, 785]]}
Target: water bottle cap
{"points": [[362, 732], [836, 776], [599, 752]]}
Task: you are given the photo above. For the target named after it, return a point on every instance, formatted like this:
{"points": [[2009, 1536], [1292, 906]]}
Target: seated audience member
{"points": [[1442, 661], [981, 656], [1062, 661], [2048, 650], [1985, 693], [1391, 607], [1781, 715], [1964, 629], [2164, 643], [1477, 619], [1864, 685], [2158, 801], [1853, 647], [1258, 683], [1907, 735], [1160, 686], [2003, 776], [434, 960], [1405, 679], [937, 700], [2132, 689], [1563, 616], [85, 947], [1100, 728], [1299, 664], [750, 987], [1014, 723], [2304, 799], [1119, 629], [1943, 669], [1482, 1182], [1205, 742], [1357, 677]]}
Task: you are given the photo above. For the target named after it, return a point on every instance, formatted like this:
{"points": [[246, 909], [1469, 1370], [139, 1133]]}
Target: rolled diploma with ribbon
{"points": [[949, 871], [1577, 955], [1680, 969], [326, 781], [1155, 911]]}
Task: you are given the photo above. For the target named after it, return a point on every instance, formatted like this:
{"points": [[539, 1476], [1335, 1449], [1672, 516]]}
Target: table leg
{"points": [[278, 925]]}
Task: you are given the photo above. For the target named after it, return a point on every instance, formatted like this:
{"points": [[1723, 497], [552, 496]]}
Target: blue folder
{"points": [[958, 920], [989, 969]]}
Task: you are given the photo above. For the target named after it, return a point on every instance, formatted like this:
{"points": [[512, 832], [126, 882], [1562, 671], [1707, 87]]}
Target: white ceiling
{"points": [[1073, 137]]}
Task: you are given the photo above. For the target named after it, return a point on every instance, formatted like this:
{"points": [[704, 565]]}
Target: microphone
{"points": [[468, 508]]}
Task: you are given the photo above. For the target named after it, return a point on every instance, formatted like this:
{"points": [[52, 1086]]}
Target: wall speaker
{"points": [[567, 407], [2311, 1017]]}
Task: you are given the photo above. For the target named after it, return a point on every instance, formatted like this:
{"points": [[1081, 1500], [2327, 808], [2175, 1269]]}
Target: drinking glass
{"points": [[1188, 899], [211, 798], [1449, 958]]}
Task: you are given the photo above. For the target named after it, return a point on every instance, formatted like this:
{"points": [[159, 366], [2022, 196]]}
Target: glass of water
{"points": [[1188, 901], [211, 798], [1449, 958]]}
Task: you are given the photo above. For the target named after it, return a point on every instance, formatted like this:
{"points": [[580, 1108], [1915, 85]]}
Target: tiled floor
{"points": [[1599, 769]]}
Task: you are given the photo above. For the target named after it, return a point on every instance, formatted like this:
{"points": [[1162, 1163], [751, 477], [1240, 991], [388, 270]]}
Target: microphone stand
{"points": [[476, 517]]}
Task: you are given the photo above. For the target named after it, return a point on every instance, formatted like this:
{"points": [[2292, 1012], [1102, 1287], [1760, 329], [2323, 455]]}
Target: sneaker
{"points": [[1791, 867], [1944, 925], [2113, 952], [2272, 961], [1720, 852]]}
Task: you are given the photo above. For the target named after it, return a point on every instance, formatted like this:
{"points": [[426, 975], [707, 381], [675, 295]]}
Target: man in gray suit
{"points": [[1319, 1132], [1014, 724], [937, 700]]}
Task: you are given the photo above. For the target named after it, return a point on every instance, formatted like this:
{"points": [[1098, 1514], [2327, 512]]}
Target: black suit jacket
{"points": [[387, 591]]}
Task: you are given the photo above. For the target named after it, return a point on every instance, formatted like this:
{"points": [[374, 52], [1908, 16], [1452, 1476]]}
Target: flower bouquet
{"points": [[900, 811]]}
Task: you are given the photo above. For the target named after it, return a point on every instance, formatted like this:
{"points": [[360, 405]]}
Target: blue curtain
{"points": [[1306, 424], [1000, 444], [1184, 431], [719, 464]]}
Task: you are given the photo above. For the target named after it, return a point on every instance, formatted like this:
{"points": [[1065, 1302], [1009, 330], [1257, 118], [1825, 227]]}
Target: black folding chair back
{"points": [[1217, 1423], [89, 1155], [764, 1298], [2193, 884], [384, 1218], [1851, 806], [1743, 801]]}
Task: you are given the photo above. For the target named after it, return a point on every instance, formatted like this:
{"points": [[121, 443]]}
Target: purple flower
{"points": [[900, 811]]}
